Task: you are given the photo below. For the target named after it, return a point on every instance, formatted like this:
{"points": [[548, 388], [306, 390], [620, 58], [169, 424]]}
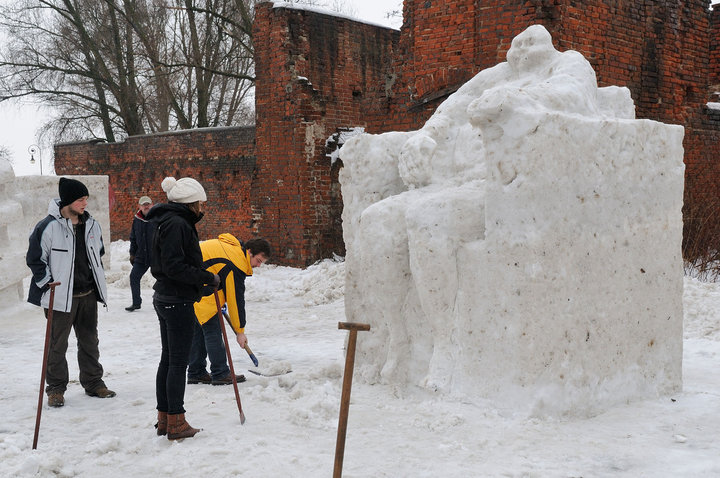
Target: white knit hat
{"points": [[185, 190]]}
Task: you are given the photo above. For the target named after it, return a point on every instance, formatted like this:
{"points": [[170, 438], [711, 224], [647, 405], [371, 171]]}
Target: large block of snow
{"points": [[12, 257], [524, 245]]}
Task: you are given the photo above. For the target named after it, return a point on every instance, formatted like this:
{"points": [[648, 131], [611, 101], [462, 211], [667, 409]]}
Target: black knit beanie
{"points": [[70, 191]]}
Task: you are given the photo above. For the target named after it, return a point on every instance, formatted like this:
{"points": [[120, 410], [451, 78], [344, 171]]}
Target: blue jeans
{"points": [[208, 342], [138, 270], [176, 334]]}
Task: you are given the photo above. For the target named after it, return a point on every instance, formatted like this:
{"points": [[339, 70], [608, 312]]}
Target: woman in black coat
{"points": [[176, 264]]}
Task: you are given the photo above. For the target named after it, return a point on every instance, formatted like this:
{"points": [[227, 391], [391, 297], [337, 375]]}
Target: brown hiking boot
{"points": [[227, 380], [178, 428], [205, 378], [100, 392], [162, 423], [56, 400]]}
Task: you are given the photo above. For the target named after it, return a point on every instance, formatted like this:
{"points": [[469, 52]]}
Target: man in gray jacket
{"points": [[67, 247]]}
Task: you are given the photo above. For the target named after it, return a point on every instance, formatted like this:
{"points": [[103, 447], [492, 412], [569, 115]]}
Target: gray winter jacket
{"points": [[51, 258]]}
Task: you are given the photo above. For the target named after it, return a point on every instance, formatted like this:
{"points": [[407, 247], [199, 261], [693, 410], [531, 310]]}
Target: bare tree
{"points": [[112, 68], [52, 56], [203, 65]]}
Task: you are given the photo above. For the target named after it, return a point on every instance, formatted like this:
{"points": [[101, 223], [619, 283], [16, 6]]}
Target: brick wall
{"points": [[221, 159], [702, 140], [318, 74], [715, 51], [702, 150]]}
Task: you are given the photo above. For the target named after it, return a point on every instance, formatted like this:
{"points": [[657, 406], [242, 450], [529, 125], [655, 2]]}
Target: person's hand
{"points": [[132, 260], [242, 340], [216, 281]]}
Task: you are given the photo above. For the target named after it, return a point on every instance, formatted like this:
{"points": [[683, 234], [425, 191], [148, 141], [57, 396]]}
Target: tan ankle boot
{"points": [[162, 423], [178, 428]]}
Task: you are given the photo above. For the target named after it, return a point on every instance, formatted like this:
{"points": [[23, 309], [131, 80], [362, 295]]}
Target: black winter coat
{"points": [[176, 261], [141, 238]]}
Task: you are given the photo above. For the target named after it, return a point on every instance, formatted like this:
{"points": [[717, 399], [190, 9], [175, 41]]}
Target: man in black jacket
{"points": [[177, 266], [141, 239]]}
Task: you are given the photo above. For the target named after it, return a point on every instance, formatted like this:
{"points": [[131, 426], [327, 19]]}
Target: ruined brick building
{"points": [[319, 75]]}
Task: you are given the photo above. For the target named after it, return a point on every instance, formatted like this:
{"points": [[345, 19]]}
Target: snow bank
{"points": [[524, 245]]}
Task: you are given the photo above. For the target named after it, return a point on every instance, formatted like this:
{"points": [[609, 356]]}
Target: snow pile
{"points": [[335, 141], [702, 310], [524, 245], [321, 283], [119, 272]]}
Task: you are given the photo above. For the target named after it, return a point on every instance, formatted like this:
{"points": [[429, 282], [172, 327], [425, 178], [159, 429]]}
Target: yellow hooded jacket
{"points": [[226, 257]]}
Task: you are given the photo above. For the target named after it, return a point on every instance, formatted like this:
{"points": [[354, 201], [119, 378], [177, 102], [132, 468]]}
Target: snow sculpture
{"points": [[524, 245], [12, 257]]}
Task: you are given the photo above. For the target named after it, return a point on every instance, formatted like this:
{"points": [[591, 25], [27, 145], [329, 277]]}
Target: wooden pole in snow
{"points": [[345, 398]]}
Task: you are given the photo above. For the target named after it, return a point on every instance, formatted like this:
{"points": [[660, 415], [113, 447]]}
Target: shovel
{"points": [[279, 368], [247, 347]]}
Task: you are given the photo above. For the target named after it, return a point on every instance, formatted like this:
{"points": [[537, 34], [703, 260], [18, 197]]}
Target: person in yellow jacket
{"points": [[232, 261]]}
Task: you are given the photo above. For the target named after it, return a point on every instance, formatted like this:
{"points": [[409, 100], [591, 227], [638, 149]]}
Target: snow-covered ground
{"points": [[292, 419]]}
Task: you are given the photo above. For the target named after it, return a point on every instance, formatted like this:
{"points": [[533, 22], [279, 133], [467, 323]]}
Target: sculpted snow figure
{"points": [[523, 245]]}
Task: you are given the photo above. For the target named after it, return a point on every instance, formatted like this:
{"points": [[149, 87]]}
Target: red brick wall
{"points": [[315, 74], [715, 52], [702, 150], [221, 159], [702, 134]]}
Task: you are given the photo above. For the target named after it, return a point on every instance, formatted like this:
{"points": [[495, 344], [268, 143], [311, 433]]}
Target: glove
{"points": [[132, 260], [46, 287], [211, 287]]}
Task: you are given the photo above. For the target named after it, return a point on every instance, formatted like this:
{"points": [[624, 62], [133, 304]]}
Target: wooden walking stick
{"points": [[48, 332], [229, 357], [345, 398]]}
